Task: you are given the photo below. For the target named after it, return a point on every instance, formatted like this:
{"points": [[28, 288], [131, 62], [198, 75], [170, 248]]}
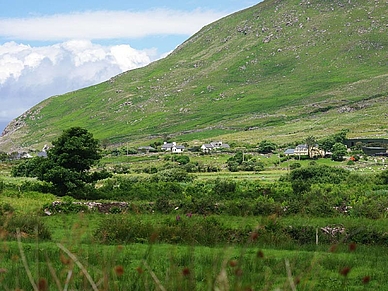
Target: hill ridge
{"points": [[279, 70]]}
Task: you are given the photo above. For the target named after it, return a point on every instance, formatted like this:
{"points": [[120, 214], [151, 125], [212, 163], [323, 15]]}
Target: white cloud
{"points": [[106, 24], [29, 75]]}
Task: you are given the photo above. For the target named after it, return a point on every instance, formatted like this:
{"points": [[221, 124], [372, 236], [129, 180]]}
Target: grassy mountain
{"points": [[280, 70]]}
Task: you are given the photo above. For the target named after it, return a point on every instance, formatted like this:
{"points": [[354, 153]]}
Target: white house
{"points": [[173, 147], [208, 147], [302, 150]]}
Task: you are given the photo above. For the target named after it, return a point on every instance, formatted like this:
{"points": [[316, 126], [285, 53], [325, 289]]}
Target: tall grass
{"points": [[56, 266]]}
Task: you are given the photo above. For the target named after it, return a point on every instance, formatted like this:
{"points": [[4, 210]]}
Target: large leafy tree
{"points": [[75, 150], [68, 163], [266, 147], [339, 151]]}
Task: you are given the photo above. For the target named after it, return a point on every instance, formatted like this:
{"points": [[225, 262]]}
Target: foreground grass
{"points": [[173, 267]]}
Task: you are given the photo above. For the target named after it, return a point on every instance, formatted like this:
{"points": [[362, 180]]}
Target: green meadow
{"points": [[217, 231]]}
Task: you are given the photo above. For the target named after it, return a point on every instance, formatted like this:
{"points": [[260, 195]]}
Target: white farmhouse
{"points": [[173, 147]]}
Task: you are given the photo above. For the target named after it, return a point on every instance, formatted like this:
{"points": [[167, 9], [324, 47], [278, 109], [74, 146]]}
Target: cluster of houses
{"points": [[298, 151], [176, 148], [303, 150]]}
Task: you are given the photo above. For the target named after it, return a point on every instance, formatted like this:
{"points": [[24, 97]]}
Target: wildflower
{"points": [[352, 247], [178, 218], [233, 263], [296, 280], [333, 248], [119, 270], [186, 271], [189, 214], [366, 280], [139, 270], [345, 271], [260, 254]]}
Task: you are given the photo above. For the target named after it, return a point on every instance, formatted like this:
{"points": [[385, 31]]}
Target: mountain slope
{"points": [[279, 70]]}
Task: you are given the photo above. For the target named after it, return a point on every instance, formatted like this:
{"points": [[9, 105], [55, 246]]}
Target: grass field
{"points": [[264, 256], [72, 253]]}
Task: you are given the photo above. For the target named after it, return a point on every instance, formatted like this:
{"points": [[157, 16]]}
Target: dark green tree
{"points": [[68, 163], [339, 151], [266, 147], [75, 149]]}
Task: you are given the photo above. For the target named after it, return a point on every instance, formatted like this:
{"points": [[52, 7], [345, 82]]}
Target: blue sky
{"points": [[50, 47]]}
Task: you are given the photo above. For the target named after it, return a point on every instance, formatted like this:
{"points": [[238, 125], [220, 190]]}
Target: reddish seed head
{"points": [[260, 254], [254, 235], [2, 270], [186, 271], [345, 271], [64, 260], [154, 237], [119, 270], [42, 284], [139, 270], [233, 263], [366, 280], [296, 280], [352, 247]]}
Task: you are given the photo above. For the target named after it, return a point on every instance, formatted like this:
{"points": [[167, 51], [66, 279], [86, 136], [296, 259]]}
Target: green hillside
{"points": [[280, 70]]}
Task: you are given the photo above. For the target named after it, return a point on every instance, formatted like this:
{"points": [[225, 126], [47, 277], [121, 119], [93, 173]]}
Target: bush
{"points": [[264, 206], [172, 175], [294, 166], [6, 208], [30, 226]]}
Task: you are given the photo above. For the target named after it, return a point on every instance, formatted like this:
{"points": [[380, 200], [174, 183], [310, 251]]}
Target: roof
{"points": [[289, 151], [167, 146], [146, 148], [42, 154]]}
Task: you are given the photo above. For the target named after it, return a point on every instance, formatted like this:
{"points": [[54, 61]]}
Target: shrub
{"points": [[266, 206], [30, 226], [6, 208], [182, 159], [123, 229], [295, 166], [172, 175]]}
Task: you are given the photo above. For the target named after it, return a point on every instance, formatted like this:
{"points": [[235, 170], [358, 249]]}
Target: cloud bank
{"points": [[97, 25], [31, 74]]}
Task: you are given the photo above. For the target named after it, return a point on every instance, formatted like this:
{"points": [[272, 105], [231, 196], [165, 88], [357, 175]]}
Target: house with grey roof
{"points": [[146, 149], [208, 147], [172, 147]]}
